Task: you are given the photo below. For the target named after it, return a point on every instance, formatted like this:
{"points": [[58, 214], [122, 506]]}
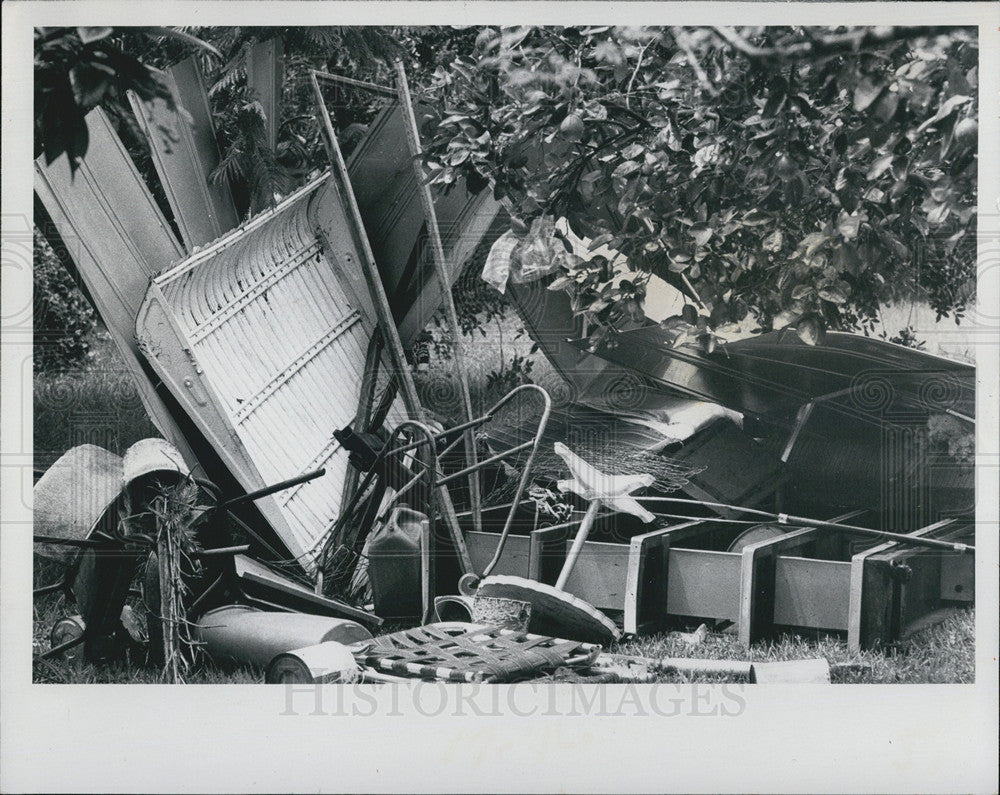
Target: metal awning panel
{"points": [[265, 71], [385, 185], [118, 239], [185, 152], [777, 372], [263, 337]]}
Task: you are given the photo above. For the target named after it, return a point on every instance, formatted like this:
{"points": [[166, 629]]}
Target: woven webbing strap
{"points": [[488, 654]]}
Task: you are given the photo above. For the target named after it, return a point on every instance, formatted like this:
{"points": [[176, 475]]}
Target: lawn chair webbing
{"points": [[480, 655]]}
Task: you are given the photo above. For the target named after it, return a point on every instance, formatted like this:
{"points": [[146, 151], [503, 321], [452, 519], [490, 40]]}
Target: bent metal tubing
{"points": [[784, 518], [531, 445]]}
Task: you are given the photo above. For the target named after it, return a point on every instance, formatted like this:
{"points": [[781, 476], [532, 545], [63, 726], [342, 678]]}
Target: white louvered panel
{"points": [[278, 340]]}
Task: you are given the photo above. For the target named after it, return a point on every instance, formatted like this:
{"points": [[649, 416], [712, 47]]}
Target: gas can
{"points": [[399, 565]]}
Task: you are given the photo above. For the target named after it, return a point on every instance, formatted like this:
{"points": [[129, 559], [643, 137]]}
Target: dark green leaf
{"points": [[947, 108], [836, 293], [88, 35], [879, 167], [811, 329], [184, 36], [701, 234], [866, 92]]}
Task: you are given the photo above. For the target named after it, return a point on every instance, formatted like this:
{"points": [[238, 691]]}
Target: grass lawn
{"points": [[98, 405]]}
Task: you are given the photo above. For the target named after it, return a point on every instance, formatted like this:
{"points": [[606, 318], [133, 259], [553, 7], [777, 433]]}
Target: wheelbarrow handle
{"points": [[267, 491]]}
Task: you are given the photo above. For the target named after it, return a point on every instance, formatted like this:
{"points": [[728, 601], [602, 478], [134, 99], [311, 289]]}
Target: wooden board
{"points": [[958, 578], [892, 585], [704, 583], [600, 575], [812, 593], [515, 559]]}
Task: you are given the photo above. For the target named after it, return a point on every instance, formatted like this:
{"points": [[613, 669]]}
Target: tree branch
{"points": [[681, 39]]}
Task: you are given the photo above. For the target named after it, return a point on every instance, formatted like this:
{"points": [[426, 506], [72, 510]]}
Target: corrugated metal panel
{"points": [[118, 239], [185, 152], [263, 337], [264, 74], [387, 192]]}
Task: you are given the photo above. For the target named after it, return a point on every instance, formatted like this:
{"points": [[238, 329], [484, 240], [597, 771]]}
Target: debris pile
{"points": [[303, 496]]}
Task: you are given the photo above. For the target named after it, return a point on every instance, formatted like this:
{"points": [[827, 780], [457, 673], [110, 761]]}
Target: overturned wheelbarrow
{"points": [[91, 512]]}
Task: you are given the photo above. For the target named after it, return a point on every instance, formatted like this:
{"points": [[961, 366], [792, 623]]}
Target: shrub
{"points": [[63, 318]]}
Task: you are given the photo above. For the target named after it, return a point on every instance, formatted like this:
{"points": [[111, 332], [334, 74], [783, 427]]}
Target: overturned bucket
{"points": [[493, 611]]}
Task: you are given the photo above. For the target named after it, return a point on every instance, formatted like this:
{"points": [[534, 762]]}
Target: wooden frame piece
{"points": [[881, 598], [757, 579], [648, 573], [757, 583]]}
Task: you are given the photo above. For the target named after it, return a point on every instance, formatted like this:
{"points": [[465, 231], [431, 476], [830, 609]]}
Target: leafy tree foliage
{"points": [[788, 175], [251, 168], [63, 320], [795, 175], [77, 69]]}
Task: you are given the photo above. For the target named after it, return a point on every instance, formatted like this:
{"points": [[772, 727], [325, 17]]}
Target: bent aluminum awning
{"points": [[777, 372], [117, 238], [385, 184], [184, 151], [262, 337]]}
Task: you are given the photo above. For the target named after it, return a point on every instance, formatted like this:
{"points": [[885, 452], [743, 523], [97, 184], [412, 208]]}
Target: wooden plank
{"points": [[812, 593], [265, 67], [958, 578], [874, 599], [548, 552], [704, 583], [920, 588], [758, 578], [649, 574], [600, 574], [757, 583], [118, 239], [514, 560], [184, 153], [645, 585]]}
